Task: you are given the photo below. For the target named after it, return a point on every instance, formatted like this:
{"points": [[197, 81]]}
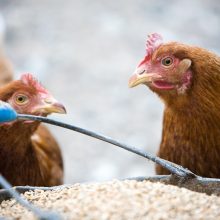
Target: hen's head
{"points": [[28, 96], [166, 68]]}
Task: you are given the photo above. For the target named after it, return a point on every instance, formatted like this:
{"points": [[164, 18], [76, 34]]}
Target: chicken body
{"points": [[6, 72], [29, 155], [187, 79]]}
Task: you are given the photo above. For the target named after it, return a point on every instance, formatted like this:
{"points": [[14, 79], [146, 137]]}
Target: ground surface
{"points": [[84, 52], [118, 200]]}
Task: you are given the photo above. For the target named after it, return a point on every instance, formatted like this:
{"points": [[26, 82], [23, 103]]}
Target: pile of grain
{"points": [[119, 200]]}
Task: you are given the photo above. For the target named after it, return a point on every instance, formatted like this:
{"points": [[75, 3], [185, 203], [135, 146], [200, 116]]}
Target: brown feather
{"points": [[48, 152]]}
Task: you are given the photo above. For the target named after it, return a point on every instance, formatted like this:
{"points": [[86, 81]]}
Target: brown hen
{"points": [[187, 79], [29, 155]]}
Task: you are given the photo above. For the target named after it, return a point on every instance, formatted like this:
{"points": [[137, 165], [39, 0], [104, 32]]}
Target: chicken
{"points": [[29, 155], [187, 79], [6, 72]]}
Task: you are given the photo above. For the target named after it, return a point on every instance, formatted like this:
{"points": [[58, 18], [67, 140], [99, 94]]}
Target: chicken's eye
{"points": [[167, 61], [21, 99]]}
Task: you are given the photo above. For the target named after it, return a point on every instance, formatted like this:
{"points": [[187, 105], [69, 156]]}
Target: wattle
{"points": [[163, 85]]}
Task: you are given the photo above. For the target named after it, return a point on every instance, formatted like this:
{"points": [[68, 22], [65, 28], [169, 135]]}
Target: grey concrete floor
{"points": [[84, 52]]}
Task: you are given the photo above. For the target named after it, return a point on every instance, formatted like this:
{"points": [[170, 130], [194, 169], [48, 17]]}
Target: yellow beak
{"points": [[50, 105], [138, 79], [141, 76]]}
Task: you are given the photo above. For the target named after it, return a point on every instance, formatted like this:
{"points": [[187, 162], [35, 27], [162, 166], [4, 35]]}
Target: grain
{"points": [[119, 200]]}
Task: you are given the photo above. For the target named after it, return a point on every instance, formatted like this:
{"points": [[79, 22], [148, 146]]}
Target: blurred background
{"points": [[84, 52]]}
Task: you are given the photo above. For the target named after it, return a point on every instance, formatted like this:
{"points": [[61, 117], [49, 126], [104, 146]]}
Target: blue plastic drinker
{"points": [[7, 113]]}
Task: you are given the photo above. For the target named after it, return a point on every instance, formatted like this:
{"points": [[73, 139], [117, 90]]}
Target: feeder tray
{"points": [[180, 176]]}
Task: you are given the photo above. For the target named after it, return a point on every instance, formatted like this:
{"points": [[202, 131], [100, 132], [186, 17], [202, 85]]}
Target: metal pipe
{"points": [[173, 168]]}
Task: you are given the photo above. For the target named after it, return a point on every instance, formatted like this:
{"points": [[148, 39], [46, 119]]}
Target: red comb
{"points": [[30, 80], [153, 42]]}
